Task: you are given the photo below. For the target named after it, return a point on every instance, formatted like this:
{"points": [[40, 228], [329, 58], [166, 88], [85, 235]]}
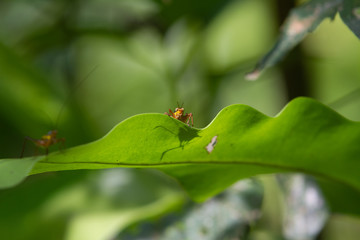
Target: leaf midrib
{"points": [[261, 164]]}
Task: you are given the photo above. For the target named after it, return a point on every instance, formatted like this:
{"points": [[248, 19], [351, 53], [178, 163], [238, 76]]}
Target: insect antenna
{"points": [[71, 93], [345, 99], [27, 138], [180, 106], [50, 138], [50, 120]]}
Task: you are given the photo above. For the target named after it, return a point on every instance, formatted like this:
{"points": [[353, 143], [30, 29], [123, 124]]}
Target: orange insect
{"points": [[45, 141], [181, 116]]}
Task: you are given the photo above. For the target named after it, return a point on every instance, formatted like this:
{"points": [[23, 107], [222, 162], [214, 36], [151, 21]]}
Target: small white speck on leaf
{"points": [[210, 147]]}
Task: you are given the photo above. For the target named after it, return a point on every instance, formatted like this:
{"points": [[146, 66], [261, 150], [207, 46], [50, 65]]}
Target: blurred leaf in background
{"points": [[230, 215], [84, 205], [305, 209], [149, 56]]}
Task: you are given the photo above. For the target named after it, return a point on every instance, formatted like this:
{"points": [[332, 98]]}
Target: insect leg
{"points": [[23, 148], [27, 138], [171, 114], [188, 117], [62, 141], [36, 151], [180, 106]]}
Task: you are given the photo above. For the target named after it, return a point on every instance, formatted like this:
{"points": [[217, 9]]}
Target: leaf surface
{"points": [[13, 171], [305, 136]]}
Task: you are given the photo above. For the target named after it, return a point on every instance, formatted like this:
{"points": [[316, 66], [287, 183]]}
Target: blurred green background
{"points": [[81, 67]]}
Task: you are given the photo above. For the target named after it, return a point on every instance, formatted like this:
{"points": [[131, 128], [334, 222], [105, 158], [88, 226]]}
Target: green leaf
{"points": [[342, 198], [305, 137], [13, 171], [350, 14], [301, 20]]}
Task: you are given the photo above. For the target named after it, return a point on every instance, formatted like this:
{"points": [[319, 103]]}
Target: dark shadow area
{"points": [[185, 135], [235, 231]]}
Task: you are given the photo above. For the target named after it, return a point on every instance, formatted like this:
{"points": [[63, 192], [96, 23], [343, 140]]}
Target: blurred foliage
{"points": [[148, 56], [229, 215], [305, 210], [69, 205], [304, 19]]}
